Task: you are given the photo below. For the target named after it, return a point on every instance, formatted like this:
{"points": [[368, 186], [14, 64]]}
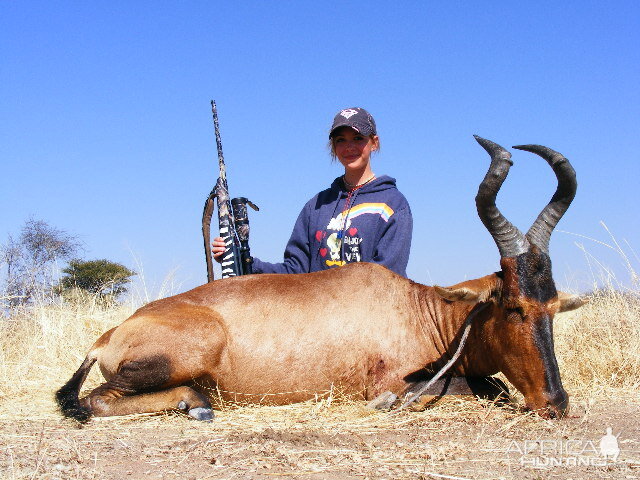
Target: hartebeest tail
{"points": [[68, 396]]}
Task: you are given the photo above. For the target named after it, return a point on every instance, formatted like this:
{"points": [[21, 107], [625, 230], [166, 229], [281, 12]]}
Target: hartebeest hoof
{"points": [[384, 401], [202, 414]]}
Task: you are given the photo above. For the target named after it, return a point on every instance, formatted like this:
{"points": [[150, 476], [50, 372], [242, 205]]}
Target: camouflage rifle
{"points": [[233, 221]]}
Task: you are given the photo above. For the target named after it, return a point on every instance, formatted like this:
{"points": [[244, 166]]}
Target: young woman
{"points": [[360, 218]]}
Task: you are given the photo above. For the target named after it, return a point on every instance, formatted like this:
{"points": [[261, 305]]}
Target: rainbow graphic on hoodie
{"points": [[382, 209]]}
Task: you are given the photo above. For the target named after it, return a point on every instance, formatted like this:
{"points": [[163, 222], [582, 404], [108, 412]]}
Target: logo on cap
{"points": [[348, 113]]}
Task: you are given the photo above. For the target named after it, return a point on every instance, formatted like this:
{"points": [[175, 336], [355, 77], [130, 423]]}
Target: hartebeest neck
{"points": [[441, 323]]}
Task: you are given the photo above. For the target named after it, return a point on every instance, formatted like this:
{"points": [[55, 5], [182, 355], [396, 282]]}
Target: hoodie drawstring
{"points": [[345, 214]]}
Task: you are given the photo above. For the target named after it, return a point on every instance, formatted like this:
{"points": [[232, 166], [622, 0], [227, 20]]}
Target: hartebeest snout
{"points": [[285, 338]]}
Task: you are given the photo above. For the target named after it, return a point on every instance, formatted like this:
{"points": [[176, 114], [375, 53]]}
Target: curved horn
{"points": [[510, 241], [540, 232]]}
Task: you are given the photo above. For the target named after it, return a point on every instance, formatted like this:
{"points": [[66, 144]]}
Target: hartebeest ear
{"points": [[472, 291], [570, 302]]}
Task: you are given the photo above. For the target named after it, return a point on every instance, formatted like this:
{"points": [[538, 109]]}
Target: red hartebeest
{"points": [[287, 337]]}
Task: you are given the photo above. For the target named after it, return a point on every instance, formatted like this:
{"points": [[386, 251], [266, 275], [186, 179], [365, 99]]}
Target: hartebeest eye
{"points": [[517, 310]]}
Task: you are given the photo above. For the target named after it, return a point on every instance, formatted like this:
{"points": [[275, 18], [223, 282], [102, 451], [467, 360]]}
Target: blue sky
{"points": [[106, 128]]}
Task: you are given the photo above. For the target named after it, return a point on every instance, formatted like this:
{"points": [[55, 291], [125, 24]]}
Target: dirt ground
{"points": [[455, 439]]}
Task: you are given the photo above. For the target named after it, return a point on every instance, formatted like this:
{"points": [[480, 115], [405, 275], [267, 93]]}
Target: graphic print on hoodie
{"points": [[344, 244], [376, 227]]}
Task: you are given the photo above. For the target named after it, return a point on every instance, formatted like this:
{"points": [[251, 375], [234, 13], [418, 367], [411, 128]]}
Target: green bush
{"points": [[98, 277]]}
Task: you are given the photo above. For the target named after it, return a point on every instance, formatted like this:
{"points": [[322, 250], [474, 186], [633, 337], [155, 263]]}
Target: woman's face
{"points": [[352, 149]]}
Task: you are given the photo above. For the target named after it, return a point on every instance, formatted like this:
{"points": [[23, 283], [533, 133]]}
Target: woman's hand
{"points": [[217, 248]]}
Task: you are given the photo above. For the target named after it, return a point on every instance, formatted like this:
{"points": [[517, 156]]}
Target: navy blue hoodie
{"points": [[376, 228]]}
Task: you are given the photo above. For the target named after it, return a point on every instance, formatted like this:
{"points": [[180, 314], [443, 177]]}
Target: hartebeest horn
{"points": [[540, 232], [510, 241]]}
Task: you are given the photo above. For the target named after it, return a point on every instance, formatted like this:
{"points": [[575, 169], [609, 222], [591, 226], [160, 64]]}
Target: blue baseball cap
{"points": [[357, 118]]}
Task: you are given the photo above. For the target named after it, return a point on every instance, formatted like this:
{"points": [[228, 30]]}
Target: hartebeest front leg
{"points": [[489, 388], [105, 401]]}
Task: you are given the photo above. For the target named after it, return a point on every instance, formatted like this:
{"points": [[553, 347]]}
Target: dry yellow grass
{"points": [[40, 346], [598, 346]]}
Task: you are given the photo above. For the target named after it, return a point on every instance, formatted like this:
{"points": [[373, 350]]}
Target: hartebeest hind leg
{"points": [[105, 401], [144, 386], [141, 386]]}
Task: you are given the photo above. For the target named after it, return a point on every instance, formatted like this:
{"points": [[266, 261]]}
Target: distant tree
{"points": [[30, 261], [44, 243], [99, 277]]}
